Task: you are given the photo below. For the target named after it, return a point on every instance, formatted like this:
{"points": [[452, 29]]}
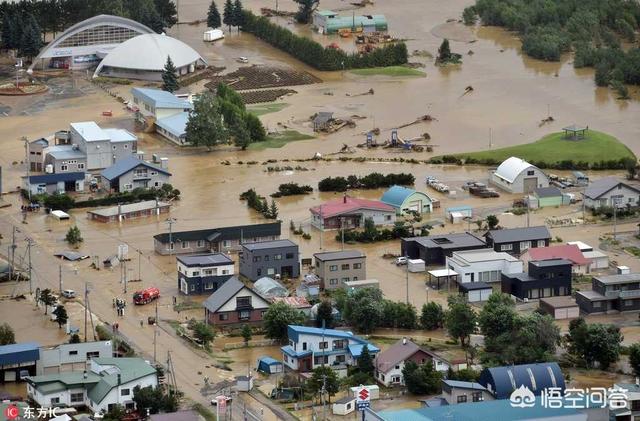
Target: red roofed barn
{"points": [[569, 252], [351, 212]]}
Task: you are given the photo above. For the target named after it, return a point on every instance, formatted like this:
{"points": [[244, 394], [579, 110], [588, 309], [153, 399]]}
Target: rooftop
{"points": [[347, 205], [548, 192], [226, 292], [224, 233], [55, 178], [396, 353], [121, 135], [463, 385], [295, 302], [618, 279], [21, 347], [582, 246], [264, 245], [473, 286], [132, 207], [592, 295], [65, 152], [564, 251], [511, 168], [396, 195], [467, 257], [338, 255], [211, 259], [559, 301], [509, 235], [175, 124], [448, 241], [160, 98], [599, 187], [551, 262], [125, 165], [90, 131]]}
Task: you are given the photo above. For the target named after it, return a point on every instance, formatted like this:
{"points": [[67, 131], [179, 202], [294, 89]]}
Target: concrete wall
{"points": [[120, 150], [72, 165], [333, 279], [129, 181], [471, 273], [71, 357], [254, 270]]}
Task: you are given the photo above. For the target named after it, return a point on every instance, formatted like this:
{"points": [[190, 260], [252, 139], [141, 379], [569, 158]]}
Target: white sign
{"points": [[363, 395], [123, 251]]}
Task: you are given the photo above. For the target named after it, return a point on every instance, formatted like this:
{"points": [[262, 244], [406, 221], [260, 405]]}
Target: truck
{"points": [[146, 295]]}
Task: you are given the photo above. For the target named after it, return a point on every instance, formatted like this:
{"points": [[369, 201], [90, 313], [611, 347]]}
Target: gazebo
{"points": [[445, 275], [575, 132]]}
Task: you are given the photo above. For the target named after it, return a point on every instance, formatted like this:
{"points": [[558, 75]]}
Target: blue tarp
{"points": [[270, 365]]}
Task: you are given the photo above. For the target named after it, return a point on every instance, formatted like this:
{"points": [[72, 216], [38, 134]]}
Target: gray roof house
{"points": [[54, 183], [36, 152], [517, 240], [277, 258], [609, 191], [334, 268], [233, 303], [204, 273], [130, 173], [65, 158]]}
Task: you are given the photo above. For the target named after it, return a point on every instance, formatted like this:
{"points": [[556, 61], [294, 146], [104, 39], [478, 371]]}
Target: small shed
{"points": [[244, 383], [458, 214], [212, 35], [361, 283], [416, 265], [270, 365], [562, 307], [270, 288], [322, 121], [548, 196], [405, 200], [111, 262], [299, 303], [597, 260], [475, 291], [344, 406]]}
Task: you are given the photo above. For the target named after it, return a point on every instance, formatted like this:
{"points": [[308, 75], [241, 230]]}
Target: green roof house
{"points": [[328, 22], [403, 199], [108, 382]]}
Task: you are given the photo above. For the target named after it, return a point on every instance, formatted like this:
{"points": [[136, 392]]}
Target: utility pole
{"points": [[170, 221], [139, 260], [155, 333], [490, 137], [124, 269], [12, 249], [407, 279], [86, 307], [321, 227], [615, 219], [27, 163], [29, 243], [60, 278], [527, 200], [342, 231]]}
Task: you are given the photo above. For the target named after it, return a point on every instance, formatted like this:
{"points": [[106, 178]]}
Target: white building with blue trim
{"points": [[164, 111]]}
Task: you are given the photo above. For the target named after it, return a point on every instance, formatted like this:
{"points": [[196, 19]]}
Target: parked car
{"points": [[242, 60], [69, 293], [401, 261]]}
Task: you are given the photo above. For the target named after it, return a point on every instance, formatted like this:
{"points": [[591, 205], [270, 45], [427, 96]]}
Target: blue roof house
{"points": [[405, 200], [130, 173], [311, 347], [18, 359], [164, 110], [54, 183], [502, 381]]}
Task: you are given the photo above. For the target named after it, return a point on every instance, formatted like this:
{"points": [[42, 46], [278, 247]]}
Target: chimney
{"points": [[404, 340], [344, 198]]}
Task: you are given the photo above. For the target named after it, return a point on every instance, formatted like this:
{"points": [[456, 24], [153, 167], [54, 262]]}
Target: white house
{"points": [[164, 111], [483, 265], [516, 175], [311, 347], [390, 362], [106, 383], [71, 357], [609, 191]]}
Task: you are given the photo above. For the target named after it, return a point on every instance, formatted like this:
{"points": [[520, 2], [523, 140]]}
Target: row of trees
{"points": [[259, 203], [372, 234], [292, 189], [612, 164], [317, 56], [371, 181], [220, 118], [592, 28], [21, 32]]}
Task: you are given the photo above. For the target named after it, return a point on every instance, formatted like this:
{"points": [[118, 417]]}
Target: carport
{"points": [[475, 291], [439, 275]]}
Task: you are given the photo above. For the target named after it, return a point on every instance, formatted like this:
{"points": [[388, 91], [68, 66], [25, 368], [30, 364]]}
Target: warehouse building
{"points": [[328, 22], [516, 175]]}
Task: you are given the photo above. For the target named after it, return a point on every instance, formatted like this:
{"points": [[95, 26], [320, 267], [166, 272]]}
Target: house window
{"points": [[76, 397], [277, 257], [73, 352], [243, 302], [387, 217], [506, 247], [81, 166], [125, 392], [208, 285], [185, 244], [208, 272], [534, 293], [339, 344], [226, 243], [596, 304], [541, 243], [288, 256], [547, 292], [266, 258], [93, 354], [245, 315], [170, 246], [200, 243], [196, 273], [530, 172], [524, 245], [345, 266], [271, 271], [320, 359], [192, 287], [333, 268], [55, 401], [323, 345], [476, 396], [398, 367], [304, 346], [346, 279], [395, 379], [114, 147], [333, 281], [257, 258], [64, 168], [225, 271], [340, 358], [223, 317], [462, 398], [357, 265]]}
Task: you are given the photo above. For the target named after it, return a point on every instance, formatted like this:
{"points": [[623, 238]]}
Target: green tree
{"points": [[116, 413], [432, 316], [204, 333], [363, 309], [492, 222], [325, 314], [59, 201], [227, 14], [324, 376], [421, 379], [246, 333], [154, 399], [469, 15], [31, 39], [213, 16], [365, 362], [205, 126], [273, 210], [170, 81], [167, 12], [306, 9], [594, 343], [74, 237], [74, 339], [444, 52], [257, 131], [7, 336], [497, 316], [61, 315], [47, 299], [145, 12], [460, 319], [241, 135], [238, 14], [634, 358], [277, 318]]}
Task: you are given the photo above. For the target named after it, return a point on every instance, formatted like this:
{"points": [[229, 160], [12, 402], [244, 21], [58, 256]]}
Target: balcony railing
{"points": [[631, 293]]}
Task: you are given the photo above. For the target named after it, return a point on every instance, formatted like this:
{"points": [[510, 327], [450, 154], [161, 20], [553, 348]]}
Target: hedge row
{"points": [[614, 164]]}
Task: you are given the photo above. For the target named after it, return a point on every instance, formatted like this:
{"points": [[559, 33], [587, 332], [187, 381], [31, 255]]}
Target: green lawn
{"points": [[262, 109], [279, 140], [554, 148], [388, 71]]}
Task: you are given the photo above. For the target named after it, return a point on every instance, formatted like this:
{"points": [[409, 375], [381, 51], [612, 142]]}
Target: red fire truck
{"points": [[146, 295]]}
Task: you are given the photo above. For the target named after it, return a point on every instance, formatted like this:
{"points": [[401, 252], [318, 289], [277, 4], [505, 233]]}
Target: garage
{"points": [[475, 292], [405, 200], [564, 307], [598, 260], [415, 206]]}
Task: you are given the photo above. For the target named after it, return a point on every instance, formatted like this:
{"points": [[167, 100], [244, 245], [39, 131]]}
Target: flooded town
{"points": [[319, 210]]}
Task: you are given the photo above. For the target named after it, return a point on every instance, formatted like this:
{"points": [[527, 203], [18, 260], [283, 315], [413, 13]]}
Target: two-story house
{"points": [[632, 396], [204, 273], [482, 265], [36, 154], [131, 173], [390, 362], [546, 278], [94, 142], [516, 241], [611, 293], [234, 303], [311, 347], [277, 258], [108, 382], [610, 191], [164, 111], [334, 268]]}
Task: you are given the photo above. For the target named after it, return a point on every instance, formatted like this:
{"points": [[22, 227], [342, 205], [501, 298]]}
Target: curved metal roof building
{"points": [[502, 381], [86, 42], [144, 57]]}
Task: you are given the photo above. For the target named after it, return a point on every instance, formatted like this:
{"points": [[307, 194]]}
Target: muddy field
{"points": [[265, 95], [256, 77]]}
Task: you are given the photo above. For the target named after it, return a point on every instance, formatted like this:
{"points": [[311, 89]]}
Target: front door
{"points": [[530, 184]]}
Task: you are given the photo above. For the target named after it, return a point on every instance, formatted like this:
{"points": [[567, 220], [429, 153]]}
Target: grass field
{"points": [[263, 109], [279, 140], [388, 71], [554, 148]]}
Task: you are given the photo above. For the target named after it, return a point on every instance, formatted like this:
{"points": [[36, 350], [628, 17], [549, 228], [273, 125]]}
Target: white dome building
{"points": [[144, 57]]}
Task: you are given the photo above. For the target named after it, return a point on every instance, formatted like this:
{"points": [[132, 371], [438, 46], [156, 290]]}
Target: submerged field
{"points": [[279, 140], [389, 71], [554, 150]]}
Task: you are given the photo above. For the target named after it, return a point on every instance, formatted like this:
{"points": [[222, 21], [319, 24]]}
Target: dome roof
{"points": [[150, 52]]}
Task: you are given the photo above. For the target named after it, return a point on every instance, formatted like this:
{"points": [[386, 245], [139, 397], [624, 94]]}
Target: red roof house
{"points": [[569, 252], [350, 212]]}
